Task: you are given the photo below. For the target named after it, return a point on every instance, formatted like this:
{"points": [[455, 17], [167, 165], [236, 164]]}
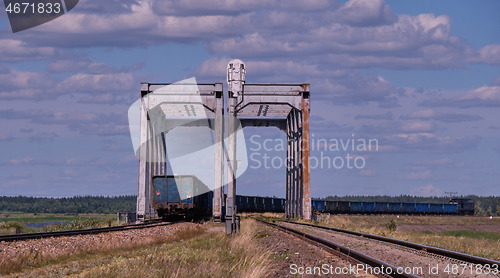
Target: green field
{"points": [[12, 221], [44, 217]]}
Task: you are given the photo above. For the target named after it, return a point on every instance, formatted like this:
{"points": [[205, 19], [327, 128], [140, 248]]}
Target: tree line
{"points": [[78, 204], [484, 206]]}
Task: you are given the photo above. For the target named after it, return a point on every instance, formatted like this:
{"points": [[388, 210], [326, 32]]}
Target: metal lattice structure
{"points": [[162, 111], [285, 106]]}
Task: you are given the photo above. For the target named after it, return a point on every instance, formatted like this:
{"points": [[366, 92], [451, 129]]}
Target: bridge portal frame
{"points": [[152, 153]]}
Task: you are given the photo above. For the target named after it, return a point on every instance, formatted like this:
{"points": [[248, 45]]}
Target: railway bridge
{"points": [[165, 106]]}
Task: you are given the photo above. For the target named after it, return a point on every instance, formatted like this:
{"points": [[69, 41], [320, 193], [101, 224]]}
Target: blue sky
{"points": [[422, 78]]}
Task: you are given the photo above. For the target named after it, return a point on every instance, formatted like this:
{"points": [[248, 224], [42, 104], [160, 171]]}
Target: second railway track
{"points": [[398, 258], [27, 236]]}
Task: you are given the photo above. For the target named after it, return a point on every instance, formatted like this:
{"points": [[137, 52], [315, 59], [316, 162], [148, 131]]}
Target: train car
{"points": [[252, 204], [421, 208], [279, 205], [332, 206], [395, 207], [368, 207], [456, 206], [464, 206], [343, 207], [408, 208], [241, 203], [268, 204], [187, 196], [259, 204], [181, 196], [355, 207], [318, 205], [450, 208], [436, 209], [381, 207]]}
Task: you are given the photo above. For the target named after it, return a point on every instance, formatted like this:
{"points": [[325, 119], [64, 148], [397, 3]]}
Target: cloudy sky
{"points": [[420, 77]]}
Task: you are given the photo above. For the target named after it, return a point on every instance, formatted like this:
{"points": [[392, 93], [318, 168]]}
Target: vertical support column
{"points": [[295, 163], [288, 206], [154, 166], [235, 80], [300, 191], [305, 157], [149, 168], [159, 163], [218, 159], [294, 175], [163, 154], [231, 166], [141, 196]]}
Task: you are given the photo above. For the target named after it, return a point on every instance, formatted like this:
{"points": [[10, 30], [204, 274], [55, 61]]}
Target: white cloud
{"points": [[358, 34], [83, 82], [367, 173], [423, 114], [487, 96], [427, 191], [489, 54], [418, 127], [484, 93], [430, 114], [85, 123], [417, 175], [430, 143], [422, 41], [365, 13], [26, 85], [17, 50], [80, 65], [25, 160], [15, 79], [224, 7], [434, 163], [5, 137]]}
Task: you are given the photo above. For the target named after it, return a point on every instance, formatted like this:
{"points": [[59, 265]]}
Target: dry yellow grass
{"points": [[378, 224], [35, 255], [200, 252], [213, 254]]}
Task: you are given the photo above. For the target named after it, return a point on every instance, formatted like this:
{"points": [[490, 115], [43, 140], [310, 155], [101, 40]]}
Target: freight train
{"points": [[186, 196], [454, 207]]}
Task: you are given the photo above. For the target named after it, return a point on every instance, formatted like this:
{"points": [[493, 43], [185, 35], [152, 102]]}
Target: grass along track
{"points": [[425, 230], [405, 255], [179, 250]]}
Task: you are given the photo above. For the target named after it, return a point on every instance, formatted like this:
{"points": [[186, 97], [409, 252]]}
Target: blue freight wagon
{"points": [[181, 195], [450, 208], [318, 205]]}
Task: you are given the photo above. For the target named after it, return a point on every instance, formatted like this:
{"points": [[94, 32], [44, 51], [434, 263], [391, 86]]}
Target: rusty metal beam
{"points": [[305, 158]]}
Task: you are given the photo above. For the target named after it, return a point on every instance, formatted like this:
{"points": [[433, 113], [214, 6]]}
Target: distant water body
{"points": [[43, 224]]}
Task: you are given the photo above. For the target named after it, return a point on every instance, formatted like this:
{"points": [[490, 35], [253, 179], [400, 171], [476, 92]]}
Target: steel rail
{"points": [[27, 236], [371, 261], [430, 249]]}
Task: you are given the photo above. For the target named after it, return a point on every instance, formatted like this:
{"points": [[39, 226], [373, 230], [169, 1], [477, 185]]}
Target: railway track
{"points": [[392, 257], [82, 231]]}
